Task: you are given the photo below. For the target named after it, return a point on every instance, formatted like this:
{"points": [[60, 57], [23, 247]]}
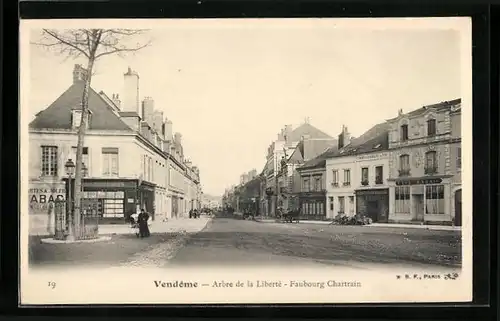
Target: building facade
{"points": [[128, 160], [424, 153]]}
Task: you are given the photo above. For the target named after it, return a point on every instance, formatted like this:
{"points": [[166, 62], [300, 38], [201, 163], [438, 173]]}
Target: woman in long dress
{"points": [[143, 224]]}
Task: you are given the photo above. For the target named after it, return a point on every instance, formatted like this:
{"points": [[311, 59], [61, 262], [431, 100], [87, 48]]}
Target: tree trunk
{"points": [[79, 151]]}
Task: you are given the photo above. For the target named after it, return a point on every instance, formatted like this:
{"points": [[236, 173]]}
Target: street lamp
{"points": [[70, 171]]}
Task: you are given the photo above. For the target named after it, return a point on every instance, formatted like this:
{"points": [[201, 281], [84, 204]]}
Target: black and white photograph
{"points": [[182, 161]]}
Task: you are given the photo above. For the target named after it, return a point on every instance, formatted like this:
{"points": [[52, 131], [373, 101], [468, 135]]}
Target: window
{"points": [[347, 177], [306, 186], [330, 200], [341, 204], [351, 205], [364, 176], [404, 165], [321, 210], [113, 208], [379, 175], [430, 162], [431, 127], [434, 199], [85, 156], [335, 181], [459, 157], [304, 208], [318, 184], [76, 118], [404, 132], [110, 162], [402, 205], [49, 160]]}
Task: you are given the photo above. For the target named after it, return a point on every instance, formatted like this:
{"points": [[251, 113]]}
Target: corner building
{"points": [[424, 165]]}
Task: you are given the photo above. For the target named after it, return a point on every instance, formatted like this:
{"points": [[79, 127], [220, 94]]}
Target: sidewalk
{"points": [[188, 225], [428, 227]]}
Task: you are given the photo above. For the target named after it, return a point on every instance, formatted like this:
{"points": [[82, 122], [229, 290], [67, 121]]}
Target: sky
{"points": [[229, 87]]}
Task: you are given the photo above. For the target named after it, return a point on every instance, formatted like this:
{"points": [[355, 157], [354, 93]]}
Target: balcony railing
{"points": [[364, 182], [404, 172], [347, 184], [379, 181], [430, 170], [335, 184]]}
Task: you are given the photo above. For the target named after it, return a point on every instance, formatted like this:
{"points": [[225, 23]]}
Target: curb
{"points": [[53, 241]]}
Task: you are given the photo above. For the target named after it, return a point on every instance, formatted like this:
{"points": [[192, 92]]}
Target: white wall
{"points": [[340, 164], [371, 161]]}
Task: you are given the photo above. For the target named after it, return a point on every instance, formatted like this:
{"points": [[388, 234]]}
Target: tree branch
{"points": [[70, 44]]}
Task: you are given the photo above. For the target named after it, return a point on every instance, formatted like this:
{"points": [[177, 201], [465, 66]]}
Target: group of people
{"points": [[140, 223], [194, 213]]}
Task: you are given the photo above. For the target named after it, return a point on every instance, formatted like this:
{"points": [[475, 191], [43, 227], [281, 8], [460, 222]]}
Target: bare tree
{"points": [[92, 44]]}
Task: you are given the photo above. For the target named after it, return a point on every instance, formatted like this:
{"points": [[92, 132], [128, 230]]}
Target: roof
{"points": [[368, 142], [58, 114], [307, 129], [441, 105]]}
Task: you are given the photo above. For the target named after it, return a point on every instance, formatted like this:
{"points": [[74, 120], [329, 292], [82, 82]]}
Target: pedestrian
{"points": [[143, 224], [190, 213]]}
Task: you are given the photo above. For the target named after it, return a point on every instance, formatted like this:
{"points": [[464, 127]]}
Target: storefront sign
{"points": [[109, 184], [41, 199], [372, 156], [419, 181], [372, 192]]}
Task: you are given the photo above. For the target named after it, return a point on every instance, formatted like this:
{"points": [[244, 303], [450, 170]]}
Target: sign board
{"points": [[41, 197], [373, 156], [419, 181]]}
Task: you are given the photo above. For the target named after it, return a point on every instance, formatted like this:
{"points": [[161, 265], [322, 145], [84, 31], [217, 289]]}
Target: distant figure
{"points": [[190, 213], [143, 224]]}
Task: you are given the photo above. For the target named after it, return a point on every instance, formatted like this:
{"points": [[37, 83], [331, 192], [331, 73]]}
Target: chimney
{"points": [[79, 74], [131, 92], [400, 112], [116, 100], [288, 132], [168, 130], [148, 106], [178, 138], [341, 139], [158, 121], [347, 136]]}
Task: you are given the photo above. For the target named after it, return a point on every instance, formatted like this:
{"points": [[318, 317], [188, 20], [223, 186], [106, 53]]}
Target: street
{"points": [[231, 242], [226, 241]]}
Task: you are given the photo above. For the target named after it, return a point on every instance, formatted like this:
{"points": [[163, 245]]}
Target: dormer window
{"points": [[431, 127], [76, 118]]}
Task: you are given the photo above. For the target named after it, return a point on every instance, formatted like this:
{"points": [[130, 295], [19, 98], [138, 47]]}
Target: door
{"points": [[372, 210], [458, 208], [418, 207]]}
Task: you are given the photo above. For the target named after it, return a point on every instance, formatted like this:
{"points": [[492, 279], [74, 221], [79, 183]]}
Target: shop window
{"points": [[379, 175], [304, 208], [49, 160], [434, 199], [404, 165], [341, 205], [335, 178], [430, 163], [364, 176], [347, 177], [404, 132], [113, 208], [110, 162], [431, 127], [402, 196]]}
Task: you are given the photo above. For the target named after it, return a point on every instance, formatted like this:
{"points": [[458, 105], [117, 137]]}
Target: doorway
{"points": [[418, 208], [458, 208], [373, 210]]}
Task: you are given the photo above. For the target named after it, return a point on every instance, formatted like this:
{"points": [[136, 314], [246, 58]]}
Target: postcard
{"points": [[215, 161]]}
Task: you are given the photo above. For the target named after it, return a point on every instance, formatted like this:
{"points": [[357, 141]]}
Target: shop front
{"points": [[373, 203], [312, 206], [425, 200], [116, 199]]}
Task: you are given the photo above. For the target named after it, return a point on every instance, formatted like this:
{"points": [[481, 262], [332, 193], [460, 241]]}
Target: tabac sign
{"points": [[41, 197]]}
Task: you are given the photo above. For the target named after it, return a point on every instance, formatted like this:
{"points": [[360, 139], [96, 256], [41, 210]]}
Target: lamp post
{"points": [[70, 171]]}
